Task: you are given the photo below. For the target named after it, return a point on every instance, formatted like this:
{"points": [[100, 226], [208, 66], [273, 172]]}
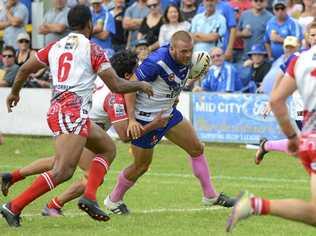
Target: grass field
{"points": [[167, 200]]}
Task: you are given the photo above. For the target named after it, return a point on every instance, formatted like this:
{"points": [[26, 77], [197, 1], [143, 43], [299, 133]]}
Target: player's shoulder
{"points": [[159, 54]]}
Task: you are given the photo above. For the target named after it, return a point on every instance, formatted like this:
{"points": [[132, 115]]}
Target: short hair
{"points": [[311, 26], [181, 35], [78, 17], [124, 62], [9, 48], [166, 20]]}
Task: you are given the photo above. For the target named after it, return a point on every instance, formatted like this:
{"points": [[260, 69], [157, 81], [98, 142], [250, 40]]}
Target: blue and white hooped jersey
{"points": [[167, 78]]}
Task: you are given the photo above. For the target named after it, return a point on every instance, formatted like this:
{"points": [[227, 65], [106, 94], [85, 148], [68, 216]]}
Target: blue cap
{"points": [[257, 49]]}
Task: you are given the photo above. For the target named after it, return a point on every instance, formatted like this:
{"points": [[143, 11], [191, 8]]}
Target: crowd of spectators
{"points": [[247, 39]]}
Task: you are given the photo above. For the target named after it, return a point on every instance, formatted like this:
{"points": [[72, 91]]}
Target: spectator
{"points": [[252, 25], [173, 23], [133, 18], [103, 26], [258, 64], [222, 76], [151, 24], [13, 17], [108, 4], [294, 8], [142, 50], [208, 28], [24, 51], [278, 27], [55, 22], [10, 69], [239, 6], [290, 46], [28, 4], [188, 10], [222, 7], [119, 38], [308, 15]]}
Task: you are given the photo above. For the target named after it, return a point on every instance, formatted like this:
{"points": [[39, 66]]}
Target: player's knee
{"points": [[62, 174], [197, 150], [142, 169], [110, 153]]}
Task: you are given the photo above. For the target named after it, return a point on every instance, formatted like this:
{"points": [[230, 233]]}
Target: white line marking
{"points": [[219, 177], [139, 211]]}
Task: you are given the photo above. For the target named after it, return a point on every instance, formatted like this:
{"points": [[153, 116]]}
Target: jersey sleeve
{"points": [[147, 71], [114, 106], [99, 59], [42, 54], [290, 70]]}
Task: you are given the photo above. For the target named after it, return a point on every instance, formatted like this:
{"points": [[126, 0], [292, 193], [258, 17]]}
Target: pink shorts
{"points": [[65, 116]]}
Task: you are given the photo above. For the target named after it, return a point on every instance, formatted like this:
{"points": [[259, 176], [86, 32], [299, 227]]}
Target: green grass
{"points": [[167, 200]]}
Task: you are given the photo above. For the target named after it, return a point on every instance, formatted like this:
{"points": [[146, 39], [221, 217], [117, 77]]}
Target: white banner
{"points": [[29, 117]]}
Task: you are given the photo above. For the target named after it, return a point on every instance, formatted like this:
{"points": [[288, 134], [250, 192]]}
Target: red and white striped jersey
{"points": [[303, 70], [74, 62]]}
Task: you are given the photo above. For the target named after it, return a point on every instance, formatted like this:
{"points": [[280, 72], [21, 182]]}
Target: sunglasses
{"points": [[24, 41], [7, 55], [261, 1], [216, 56], [154, 5], [279, 8]]}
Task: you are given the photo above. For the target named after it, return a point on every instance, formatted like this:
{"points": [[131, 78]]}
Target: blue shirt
{"points": [[288, 28], [228, 12], [224, 80], [167, 78], [108, 22], [215, 23]]}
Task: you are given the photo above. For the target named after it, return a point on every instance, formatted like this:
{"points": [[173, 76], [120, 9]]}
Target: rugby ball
{"points": [[200, 63]]}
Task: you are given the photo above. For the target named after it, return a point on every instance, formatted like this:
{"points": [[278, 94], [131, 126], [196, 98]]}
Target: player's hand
{"points": [[293, 146], [134, 129], [266, 110], [160, 121], [147, 88], [228, 54], [12, 101]]}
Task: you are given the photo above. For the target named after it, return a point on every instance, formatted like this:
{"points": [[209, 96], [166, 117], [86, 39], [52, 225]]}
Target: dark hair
{"points": [[124, 62], [166, 20], [78, 17], [9, 48]]}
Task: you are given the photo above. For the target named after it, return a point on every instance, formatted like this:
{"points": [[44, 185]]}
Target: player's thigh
{"points": [[99, 141], [68, 148], [184, 136], [85, 159], [142, 156]]}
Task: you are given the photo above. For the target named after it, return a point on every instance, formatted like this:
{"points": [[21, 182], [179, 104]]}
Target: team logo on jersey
{"points": [[119, 110], [171, 77], [154, 140], [111, 101], [72, 42]]}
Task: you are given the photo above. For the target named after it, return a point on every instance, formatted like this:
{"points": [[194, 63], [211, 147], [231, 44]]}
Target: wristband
{"points": [[292, 136]]}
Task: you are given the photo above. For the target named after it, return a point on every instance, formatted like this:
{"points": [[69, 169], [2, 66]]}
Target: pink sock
{"points": [[121, 187], [276, 145], [201, 171]]}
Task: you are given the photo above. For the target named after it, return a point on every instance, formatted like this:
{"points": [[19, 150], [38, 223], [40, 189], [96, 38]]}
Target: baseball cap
{"points": [[279, 2], [23, 35], [257, 49], [290, 41], [141, 42], [95, 1]]}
